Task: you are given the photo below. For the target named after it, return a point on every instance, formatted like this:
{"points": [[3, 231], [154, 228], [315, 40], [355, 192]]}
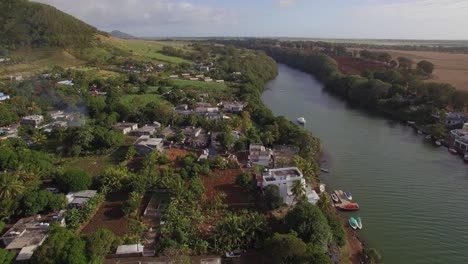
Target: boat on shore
{"points": [[324, 170], [348, 207], [465, 158], [428, 137], [301, 120], [335, 198], [411, 123], [348, 195], [438, 143], [420, 132], [353, 223], [359, 222], [453, 151]]}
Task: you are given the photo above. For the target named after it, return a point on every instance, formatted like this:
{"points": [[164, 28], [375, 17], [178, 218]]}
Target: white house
{"points": [[259, 155], [32, 120], [285, 178], [460, 138], [144, 145], [125, 128]]}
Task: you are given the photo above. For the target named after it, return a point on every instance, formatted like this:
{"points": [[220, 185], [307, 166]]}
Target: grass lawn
{"points": [[203, 86], [93, 165], [140, 99]]}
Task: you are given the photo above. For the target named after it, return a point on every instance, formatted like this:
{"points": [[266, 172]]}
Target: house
{"points": [[133, 250], [460, 138], [193, 79], [29, 233], [174, 76], [78, 199], [196, 137], [285, 178], [66, 82], [146, 130], [4, 97], [200, 76], [16, 78], [60, 115], [32, 120], [125, 128], [204, 68], [259, 155], [454, 119], [208, 80], [233, 107], [144, 145], [237, 73], [204, 109], [167, 132], [213, 116], [185, 75], [219, 81]]}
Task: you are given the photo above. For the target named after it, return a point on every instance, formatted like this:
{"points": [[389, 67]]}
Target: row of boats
{"points": [[343, 201], [355, 223]]}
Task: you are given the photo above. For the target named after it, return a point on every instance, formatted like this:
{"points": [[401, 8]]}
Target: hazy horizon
{"points": [[334, 19]]}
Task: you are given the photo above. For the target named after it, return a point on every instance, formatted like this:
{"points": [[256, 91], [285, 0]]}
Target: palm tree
{"points": [[39, 138], [268, 138], [298, 190], [10, 186]]}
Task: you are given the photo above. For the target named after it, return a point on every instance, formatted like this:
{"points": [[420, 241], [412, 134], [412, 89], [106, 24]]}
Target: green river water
{"points": [[413, 195]]}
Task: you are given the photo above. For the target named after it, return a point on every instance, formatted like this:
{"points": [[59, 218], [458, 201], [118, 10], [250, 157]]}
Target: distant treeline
{"points": [[30, 24], [398, 92]]}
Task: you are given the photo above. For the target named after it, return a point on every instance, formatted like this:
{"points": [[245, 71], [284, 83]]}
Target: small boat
{"points": [[348, 195], [428, 137], [353, 223], [233, 254], [453, 151], [359, 222], [420, 132], [322, 188], [349, 207], [324, 170], [465, 158], [438, 143], [301, 120], [412, 123], [335, 198]]}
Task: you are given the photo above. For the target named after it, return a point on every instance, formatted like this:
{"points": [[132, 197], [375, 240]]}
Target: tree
{"points": [[6, 256], [62, 246], [268, 138], [115, 177], [42, 202], [426, 67], [405, 63], [298, 189], [272, 196], [99, 244], [317, 255], [74, 180], [310, 224], [286, 248], [10, 186], [244, 180]]}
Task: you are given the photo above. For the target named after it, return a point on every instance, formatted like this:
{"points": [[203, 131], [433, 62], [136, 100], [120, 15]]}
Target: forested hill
{"points": [[28, 24]]}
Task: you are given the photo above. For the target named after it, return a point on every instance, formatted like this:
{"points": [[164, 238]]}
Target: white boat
{"points": [[420, 132], [301, 120], [359, 222], [438, 143]]}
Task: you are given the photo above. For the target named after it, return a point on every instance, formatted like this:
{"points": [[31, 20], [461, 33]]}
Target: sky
{"points": [[370, 19]]}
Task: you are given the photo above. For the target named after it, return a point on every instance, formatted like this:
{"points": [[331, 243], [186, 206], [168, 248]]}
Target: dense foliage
{"points": [[29, 24]]}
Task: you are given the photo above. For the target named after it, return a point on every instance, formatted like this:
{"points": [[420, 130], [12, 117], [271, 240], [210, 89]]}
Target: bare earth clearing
{"points": [[449, 67]]}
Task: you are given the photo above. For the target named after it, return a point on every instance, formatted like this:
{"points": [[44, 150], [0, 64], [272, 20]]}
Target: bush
{"points": [[244, 181], [74, 180], [273, 197], [42, 202]]}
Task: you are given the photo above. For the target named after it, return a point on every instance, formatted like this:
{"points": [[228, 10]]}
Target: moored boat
{"points": [[301, 120], [453, 151], [348, 195], [324, 170], [349, 207], [353, 223], [359, 222], [438, 143], [335, 198], [465, 158], [428, 137], [420, 132]]}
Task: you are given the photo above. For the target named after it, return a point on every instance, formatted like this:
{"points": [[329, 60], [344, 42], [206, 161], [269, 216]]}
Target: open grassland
{"points": [[140, 99], [449, 67], [37, 60], [200, 85], [146, 48], [93, 165]]}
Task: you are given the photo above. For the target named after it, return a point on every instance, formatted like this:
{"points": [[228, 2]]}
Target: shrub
{"points": [[74, 180]]}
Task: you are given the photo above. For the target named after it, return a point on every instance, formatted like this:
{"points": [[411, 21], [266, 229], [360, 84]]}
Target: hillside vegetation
{"points": [[29, 24]]}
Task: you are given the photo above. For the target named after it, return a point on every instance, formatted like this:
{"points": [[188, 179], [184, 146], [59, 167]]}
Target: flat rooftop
{"points": [[283, 172]]}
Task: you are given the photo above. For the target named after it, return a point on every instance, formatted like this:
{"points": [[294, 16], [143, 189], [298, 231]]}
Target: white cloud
{"points": [[287, 3], [413, 19], [138, 14]]}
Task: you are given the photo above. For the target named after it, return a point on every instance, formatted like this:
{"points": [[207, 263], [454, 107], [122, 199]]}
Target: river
{"points": [[413, 195]]}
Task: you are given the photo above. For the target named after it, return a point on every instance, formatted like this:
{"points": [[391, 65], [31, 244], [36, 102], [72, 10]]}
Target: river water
{"points": [[413, 195]]}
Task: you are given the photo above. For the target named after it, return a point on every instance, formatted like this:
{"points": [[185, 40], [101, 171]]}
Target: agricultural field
{"points": [[201, 86], [146, 48], [449, 67], [351, 65]]}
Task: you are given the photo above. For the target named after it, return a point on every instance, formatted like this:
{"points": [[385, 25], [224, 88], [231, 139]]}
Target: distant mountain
{"points": [[122, 35], [30, 24]]}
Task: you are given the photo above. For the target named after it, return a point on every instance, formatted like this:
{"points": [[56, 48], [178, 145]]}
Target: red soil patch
{"points": [[224, 181], [110, 216], [174, 153], [350, 65]]}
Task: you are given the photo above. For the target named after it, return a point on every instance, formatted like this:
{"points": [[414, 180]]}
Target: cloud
{"points": [[413, 19], [138, 14], [287, 3]]}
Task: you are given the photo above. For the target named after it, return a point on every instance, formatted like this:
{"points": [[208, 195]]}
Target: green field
{"points": [[200, 85], [140, 99], [147, 48]]}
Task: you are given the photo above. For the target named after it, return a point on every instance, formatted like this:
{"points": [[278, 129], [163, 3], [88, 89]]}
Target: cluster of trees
{"points": [[375, 56]]}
